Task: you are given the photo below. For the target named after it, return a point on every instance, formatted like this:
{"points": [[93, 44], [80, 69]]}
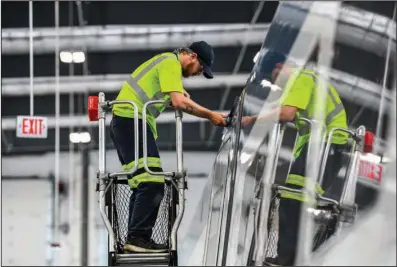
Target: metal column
{"points": [[85, 193], [102, 175], [181, 186]]}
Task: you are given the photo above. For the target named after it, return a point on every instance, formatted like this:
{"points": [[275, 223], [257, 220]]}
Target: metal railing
{"points": [[177, 178], [347, 199]]}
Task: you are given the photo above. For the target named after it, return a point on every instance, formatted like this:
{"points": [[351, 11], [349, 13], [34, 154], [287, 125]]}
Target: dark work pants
{"points": [[289, 209], [146, 198]]}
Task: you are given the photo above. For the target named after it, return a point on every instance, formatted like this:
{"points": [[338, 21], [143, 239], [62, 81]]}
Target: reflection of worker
{"points": [[298, 100], [158, 78]]}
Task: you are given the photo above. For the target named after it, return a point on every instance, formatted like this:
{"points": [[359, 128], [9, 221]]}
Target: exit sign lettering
{"points": [[32, 127], [370, 171]]}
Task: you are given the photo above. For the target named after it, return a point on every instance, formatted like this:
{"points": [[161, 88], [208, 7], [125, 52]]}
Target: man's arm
{"points": [[170, 78], [284, 114], [179, 101], [298, 95]]}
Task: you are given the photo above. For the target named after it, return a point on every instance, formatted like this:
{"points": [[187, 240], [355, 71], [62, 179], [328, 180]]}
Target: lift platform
{"points": [[149, 259], [329, 215], [114, 192]]}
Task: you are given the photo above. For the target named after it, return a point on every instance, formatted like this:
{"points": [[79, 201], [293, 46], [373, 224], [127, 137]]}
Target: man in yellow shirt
{"points": [[159, 78], [299, 101]]}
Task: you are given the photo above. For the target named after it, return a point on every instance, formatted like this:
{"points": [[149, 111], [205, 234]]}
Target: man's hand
{"points": [[217, 119], [247, 121]]}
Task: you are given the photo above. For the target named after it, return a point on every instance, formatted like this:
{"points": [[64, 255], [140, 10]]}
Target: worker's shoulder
{"points": [[308, 73], [302, 76], [165, 58]]}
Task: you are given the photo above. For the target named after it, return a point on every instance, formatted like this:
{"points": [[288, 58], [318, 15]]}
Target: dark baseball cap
{"points": [[269, 61], [205, 55]]}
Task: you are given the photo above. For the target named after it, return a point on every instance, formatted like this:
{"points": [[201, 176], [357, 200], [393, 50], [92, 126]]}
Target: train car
{"points": [[238, 222]]}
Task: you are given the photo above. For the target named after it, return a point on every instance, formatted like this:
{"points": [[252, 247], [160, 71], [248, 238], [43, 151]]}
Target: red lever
{"points": [[369, 139], [93, 108]]}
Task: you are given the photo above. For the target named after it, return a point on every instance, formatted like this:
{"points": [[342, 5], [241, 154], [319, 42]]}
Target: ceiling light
{"points": [[66, 57], [77, 138], [69, 57], [78, 57]]}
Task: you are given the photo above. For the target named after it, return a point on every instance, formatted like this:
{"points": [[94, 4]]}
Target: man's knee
{"points": [[145, 177]]}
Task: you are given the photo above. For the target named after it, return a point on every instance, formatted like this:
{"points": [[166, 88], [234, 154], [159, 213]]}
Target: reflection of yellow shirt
{"points": [[164, 77], [300, 93]]}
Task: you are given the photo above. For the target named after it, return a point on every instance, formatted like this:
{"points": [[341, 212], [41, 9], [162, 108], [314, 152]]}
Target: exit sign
{"points": [[32, 127], [370, 172]]}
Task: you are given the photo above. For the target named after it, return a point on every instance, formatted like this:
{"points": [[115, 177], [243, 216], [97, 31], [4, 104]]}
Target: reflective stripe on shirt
{"points": [[133, 82]]}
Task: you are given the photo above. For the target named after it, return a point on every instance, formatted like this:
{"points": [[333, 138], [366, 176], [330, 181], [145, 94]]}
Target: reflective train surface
{"points": [[236, 222]]}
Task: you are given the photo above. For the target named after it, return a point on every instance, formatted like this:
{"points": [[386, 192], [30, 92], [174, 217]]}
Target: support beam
{"points": [[354, 23], [137, 37], [106, 83], [355, 89]]}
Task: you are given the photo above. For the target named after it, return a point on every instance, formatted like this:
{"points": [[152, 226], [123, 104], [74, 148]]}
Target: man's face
{"points": [[192, 66], [276, 71], [280, 74]]}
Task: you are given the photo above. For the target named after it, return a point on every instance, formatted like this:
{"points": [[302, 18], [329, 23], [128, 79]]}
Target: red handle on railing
{"points": [[93, 108], [369, 139]]}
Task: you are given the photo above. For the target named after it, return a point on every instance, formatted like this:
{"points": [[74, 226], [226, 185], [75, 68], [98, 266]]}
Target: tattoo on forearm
{"points": [[189, 110]]}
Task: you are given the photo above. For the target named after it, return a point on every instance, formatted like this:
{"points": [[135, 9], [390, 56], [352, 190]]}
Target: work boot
{"points": [[272, 261], [278, 262], [140, 245]]}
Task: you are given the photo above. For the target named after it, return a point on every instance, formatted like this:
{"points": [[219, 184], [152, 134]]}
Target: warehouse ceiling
{"points": [[159, 26], [118, 36]]}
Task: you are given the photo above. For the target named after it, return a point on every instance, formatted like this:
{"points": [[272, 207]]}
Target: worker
{"points": [[158, 78], [298, 100]]}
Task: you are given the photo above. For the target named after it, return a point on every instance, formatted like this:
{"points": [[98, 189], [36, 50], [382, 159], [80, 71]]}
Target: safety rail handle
{"points": [[270, 176], [103, 176], [356, 135], [178, 174], [181, 176], [136, 138], [317, 195], [275, 142], [310, 122], [266, 182], [346, 212], [328, 147], [349, 189]]}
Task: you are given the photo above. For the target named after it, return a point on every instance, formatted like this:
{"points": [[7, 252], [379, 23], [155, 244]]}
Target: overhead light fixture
{"points": [[78, 57], [69, 57], [78, 138], [66, 57]]}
